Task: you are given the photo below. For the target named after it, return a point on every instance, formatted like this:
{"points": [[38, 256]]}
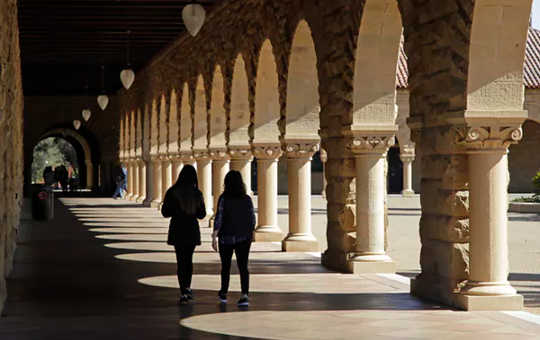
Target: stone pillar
{"points": [[176, 168], [241, 158], [129, 167], [204, 173], [142, 181], [89, 174], [220, 167], [166, 177], [149, 179], [488, 287], [136, 190], [324, 158], [300, 237], [407, 157], [267, 192], [370, 161], [156, 182]]}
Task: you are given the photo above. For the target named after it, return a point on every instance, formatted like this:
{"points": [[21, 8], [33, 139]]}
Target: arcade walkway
{"points": [[102, 270]]}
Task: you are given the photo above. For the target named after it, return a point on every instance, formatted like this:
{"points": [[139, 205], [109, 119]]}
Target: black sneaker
{"points": [[244, 301], [189, 294], [222, 298], [183, 299]]}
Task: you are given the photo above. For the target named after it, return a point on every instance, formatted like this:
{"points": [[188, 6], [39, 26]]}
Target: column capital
{"points": [[267, 151], [201, 154], [242, 152], [186, 156], [218, 154], [488, 137], [362, 143], [323, 155], [300, 148]]}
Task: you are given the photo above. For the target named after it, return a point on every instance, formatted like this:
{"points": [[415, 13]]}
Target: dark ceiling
{"points": [[64, 43]]}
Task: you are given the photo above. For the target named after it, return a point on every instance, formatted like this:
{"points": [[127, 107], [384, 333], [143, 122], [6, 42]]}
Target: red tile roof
{"points": [[531, 66]]}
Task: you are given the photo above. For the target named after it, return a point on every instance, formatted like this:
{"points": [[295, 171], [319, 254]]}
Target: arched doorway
{"points": [[53, 154], [83, 153]]}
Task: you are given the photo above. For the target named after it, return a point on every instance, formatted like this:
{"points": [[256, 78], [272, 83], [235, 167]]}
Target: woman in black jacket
{"points": [[184, 203], [233, 225]]}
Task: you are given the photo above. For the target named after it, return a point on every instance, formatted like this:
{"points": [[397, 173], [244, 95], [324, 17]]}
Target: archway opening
{"points": [[55, 161]]}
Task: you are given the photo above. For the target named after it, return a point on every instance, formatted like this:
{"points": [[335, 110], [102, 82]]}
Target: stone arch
{"points": [[218, 119], [154, 128], [377, 50], [173, 124], [496, 53], [302, 103], [239, 115], [200, 118], [267, 106], [186, 125], [72, 136]]}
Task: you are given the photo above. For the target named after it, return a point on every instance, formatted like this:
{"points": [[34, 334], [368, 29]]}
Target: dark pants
{"points": [[184, 261], [242, 254]]}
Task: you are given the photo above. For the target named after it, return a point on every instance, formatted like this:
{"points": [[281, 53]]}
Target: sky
{"points": [[536, 14]]}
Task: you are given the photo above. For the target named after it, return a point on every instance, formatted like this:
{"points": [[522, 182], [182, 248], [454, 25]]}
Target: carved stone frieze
{"points": [[300, 149], [494, 137], [267, 151]]}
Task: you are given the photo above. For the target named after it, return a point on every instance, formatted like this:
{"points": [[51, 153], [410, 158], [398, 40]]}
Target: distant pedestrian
{"points": [[120, 182], [48, 176], [61, 175], [233, 226], [185, 204]]}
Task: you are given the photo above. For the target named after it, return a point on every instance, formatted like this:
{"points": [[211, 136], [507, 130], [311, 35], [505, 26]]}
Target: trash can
{"points": [[42, 203]]}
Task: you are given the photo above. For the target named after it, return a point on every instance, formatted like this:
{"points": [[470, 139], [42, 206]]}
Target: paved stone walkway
{"points": [[101, 270]]}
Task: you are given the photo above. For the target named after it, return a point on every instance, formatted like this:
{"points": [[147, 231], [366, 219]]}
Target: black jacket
{"points": [[183, 228], [235, 218]]}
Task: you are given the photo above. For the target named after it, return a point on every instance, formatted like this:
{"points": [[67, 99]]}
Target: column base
{"points": [[300, 243], [147, 202], [408, 192], [493, 302], [268, 233], [155, 204], [141, 200], [369, 264]]}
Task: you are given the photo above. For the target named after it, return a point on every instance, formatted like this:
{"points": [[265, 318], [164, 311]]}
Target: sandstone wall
{"points": [[11, 140], [524, 159]]}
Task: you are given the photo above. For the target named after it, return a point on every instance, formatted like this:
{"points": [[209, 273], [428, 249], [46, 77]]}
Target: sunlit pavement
{"points": [[102, 270]]}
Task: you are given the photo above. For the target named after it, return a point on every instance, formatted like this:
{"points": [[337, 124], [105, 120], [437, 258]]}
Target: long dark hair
{"points": [[187, 188], [234, 185]]}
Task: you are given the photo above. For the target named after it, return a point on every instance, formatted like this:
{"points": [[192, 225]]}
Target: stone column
{"points": [[204, 173], [300, 237], [142, 181], [241, 158], [220, 167], [370, 160], [149, 179], [267, 192], [166, 176], [407, 157], [324, 158], [176, 167], [136, 190], [156, 182], [89, 174], [488, 287], [129, 167]]}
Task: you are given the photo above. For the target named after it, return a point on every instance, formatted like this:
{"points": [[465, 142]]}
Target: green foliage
{"points": [[52, 152]]}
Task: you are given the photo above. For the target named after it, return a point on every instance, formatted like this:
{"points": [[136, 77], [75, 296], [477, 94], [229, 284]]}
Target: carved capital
{"points": [[201, 154], [240, 152], [218, 154], [323, 155], [300, 149], [266, 151], [367, 143], [186, 156], [494, 137]]}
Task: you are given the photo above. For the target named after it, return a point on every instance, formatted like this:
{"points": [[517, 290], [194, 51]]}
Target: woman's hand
{"points": [[214, 241]]}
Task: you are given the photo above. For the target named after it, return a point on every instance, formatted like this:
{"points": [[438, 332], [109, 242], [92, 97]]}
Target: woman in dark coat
{"points": [[233, 225], [184, 203]]}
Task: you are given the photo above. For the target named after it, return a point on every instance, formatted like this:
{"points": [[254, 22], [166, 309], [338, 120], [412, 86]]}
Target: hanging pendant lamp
{"points": [[86, 114], [127, 76], [76, 124], [103, 99], [193, 16]]}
